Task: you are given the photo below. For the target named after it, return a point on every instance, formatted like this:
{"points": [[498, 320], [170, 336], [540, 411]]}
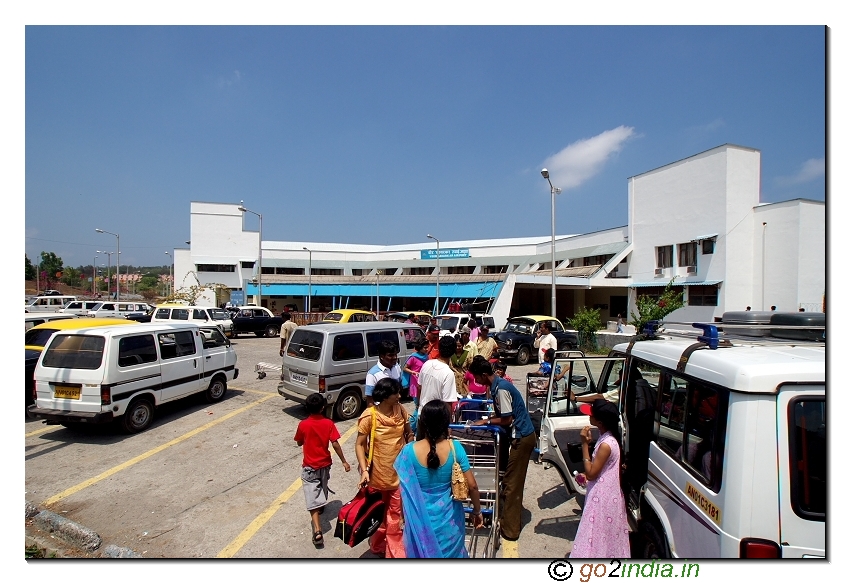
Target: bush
{"points": [[586, 322], [651, 309]]}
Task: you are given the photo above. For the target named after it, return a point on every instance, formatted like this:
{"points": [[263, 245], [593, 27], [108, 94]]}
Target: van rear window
{"points": [[38, 337], [75, 351], [807, 432], [305, 344]]}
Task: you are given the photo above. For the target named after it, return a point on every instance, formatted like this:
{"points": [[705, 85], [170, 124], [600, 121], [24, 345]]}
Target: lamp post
{"points": [[117, 260], [309, 278], [437, 310], [259, 256], [378, 293], [170, 264], [94, 276], [108, 266], [554, 190]]}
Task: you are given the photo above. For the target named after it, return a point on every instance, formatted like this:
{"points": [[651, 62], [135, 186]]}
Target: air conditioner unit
{"points": [[658, 271], [692, 268]]}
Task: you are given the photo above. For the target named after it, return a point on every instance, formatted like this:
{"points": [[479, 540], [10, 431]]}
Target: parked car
{"points": [[450, 324], [724, 442], [51, 292], [48, 303], [122, 309], [344, 316], [333, 360], [258, 320], [198, 314], [79, 308], [98, 375], [516, 339]]}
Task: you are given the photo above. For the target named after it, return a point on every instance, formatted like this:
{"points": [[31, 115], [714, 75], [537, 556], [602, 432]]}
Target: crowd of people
{"points": [[409, 458]]}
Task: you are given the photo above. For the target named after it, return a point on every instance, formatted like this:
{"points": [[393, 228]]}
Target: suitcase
{"points": [[360, 518], [799, 319], [761, 319]]}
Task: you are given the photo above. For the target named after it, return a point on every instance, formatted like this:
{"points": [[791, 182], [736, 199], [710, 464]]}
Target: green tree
{"points": [[650, 308], [586, 322], [72, 277], [29, 270], [51, 267]]}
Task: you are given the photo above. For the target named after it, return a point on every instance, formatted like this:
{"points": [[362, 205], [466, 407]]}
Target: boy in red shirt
{"points": [[313, 435]]}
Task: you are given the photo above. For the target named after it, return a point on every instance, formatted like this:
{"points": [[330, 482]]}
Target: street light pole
{"points": [[554, 190], [94, 276], [437, 310], [309, 278], [259, 257], [378, 293], [108, 266], [117, 261]]}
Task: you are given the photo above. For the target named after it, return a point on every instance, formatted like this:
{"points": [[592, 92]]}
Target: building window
{"points": [[687, 254], [246, 264], [420, 271], [597, 260], [289, 270], [494, 269], [655, 292], [386, 270], [268, 270], [708, 246], [215, 267], [327, 271], [664, 256], [461, 269], [702, 295]]}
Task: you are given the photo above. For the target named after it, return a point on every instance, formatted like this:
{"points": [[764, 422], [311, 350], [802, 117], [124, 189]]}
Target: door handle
{"points": [[195, 362], [209, 357]]}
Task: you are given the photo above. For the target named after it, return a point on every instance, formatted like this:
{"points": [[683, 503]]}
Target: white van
{"points": [[112, 309], [724, 442], [333, 360], [97, 375], [197, 314], [79, 308], [450, 324], [31, 320], [48, 303]]}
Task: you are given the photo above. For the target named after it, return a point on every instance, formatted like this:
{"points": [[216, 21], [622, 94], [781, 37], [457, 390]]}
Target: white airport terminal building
{"points": [[699, 220]]}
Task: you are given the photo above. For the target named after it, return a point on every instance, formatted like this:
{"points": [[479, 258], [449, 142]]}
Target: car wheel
{"points": [[272, 331], [138, 416], [565, 346], [348, 405], [653, 545], [216, 390], [523, 356]]}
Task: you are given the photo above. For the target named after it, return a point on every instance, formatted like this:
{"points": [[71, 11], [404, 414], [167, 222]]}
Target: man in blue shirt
{"points": [[387, 366], [511, 415]]}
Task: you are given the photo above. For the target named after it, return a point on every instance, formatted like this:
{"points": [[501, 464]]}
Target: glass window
{"points": [[136, 350], [213, 338], [305, 344], [333, 317], [75, 351], [179, 314], [412, 336], [198, 314], [687, 254], [702, 295], [219, 314], [174, 344], [708, 246], [38, 336], [216, 267], [449, 323], [348, 347], [373, 339], [807, 448], [108, 307], [162, 313], [664, 256]]}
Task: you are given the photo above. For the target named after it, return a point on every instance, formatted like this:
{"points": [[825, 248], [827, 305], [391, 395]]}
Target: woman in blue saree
{"points": [[433, 521]]}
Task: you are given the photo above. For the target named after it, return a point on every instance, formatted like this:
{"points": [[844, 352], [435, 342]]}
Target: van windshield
{"points": [[75, 351], [449, 323], [305, 344], [219, 314]]}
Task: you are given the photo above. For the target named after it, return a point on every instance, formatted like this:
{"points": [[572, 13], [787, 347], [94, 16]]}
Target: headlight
{"points": [[508, 342]]}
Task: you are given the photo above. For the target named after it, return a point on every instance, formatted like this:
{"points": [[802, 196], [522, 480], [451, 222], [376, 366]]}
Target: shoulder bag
{"points": [[460, 489]]}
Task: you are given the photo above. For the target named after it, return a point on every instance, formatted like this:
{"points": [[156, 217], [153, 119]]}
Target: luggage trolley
{"points": [[481, 444], [469, 409]]}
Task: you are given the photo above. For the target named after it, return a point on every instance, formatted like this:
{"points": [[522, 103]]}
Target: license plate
{"points": [[64, 392], [298, 378]]}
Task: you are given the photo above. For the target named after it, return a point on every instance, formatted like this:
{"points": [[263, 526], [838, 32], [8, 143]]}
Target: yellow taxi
{"points": [[38, 336], [344, 316]]}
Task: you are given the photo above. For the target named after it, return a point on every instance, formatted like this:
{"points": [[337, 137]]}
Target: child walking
{"points": [[313, 435]]}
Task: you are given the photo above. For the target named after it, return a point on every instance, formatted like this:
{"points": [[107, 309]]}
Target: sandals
{"points": [[318, 539]]}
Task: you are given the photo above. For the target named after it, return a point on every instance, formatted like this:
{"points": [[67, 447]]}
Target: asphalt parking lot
{"points": [[222, 480]]}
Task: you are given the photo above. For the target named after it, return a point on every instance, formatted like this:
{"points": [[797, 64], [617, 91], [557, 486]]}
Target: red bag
{"points": [[360, 518]]}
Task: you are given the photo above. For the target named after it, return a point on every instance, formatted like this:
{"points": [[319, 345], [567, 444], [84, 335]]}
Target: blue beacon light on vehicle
{"points": [[709, 336]]}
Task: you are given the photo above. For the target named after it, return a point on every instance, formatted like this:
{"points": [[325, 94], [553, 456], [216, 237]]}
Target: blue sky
{"points": [[380, 135]]}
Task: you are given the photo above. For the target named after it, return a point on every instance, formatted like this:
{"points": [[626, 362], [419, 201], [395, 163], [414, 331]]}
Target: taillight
{"points": [[105, 396], [321, 384], [759, 548]]}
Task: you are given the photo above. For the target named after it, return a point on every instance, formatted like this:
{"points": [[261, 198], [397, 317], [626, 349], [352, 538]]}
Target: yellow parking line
{"points": [[149, 453], [256, 524], [510, 549], [42, 430]]}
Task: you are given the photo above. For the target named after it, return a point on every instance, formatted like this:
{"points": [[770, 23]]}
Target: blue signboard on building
{"points": [[445, 254], [237, 298]]}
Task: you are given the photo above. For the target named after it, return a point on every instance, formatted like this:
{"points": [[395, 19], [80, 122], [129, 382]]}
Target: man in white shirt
{"points": [[436, 378], [387, 366], [544, 341]]}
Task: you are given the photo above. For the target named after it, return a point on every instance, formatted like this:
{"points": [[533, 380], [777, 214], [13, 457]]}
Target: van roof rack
{"points": [[718, 334]]}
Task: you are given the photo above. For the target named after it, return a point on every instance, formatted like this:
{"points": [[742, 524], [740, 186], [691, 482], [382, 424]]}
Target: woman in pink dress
{"points": [[604, 530]]}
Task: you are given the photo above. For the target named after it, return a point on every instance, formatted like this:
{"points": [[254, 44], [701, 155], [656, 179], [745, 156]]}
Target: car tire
{"points": [[272, 331], [215, 392], [348, 405], [565, 346], [138, 416], [653, 544], [523, 355]]}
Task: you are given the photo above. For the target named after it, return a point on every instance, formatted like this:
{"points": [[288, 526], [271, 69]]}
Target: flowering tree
{"points": [[650, 308]]}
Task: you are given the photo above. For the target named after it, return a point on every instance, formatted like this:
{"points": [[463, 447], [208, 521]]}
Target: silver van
{"points": [[333, 360]]}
